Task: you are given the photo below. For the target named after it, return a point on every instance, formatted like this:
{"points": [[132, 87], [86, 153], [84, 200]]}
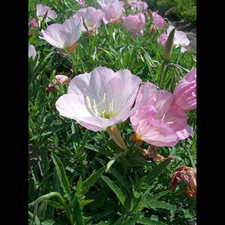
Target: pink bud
{"points": [[59, 78], [186, 175], [33, 23]]}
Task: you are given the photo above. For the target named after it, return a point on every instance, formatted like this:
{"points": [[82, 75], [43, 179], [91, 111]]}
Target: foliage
{"points": [[176, 9], [83, 177]]}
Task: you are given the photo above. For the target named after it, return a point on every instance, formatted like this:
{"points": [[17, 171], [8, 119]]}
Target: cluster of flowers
{"points": [[103, 98], [64, 37]]}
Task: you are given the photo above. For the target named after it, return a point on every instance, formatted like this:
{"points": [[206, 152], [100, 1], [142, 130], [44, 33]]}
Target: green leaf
{"points": [[132, 220], [48, 222], [79, 187], [92, 179], [85, 202], [160, 194], [155, 204], [115, 189], [149, 221], [77, 212], [55, 204], [157, 170], [61, 174]]}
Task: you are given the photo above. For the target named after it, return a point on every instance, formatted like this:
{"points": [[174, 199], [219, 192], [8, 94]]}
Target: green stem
{"points": [[61, 199], [162, 74]]}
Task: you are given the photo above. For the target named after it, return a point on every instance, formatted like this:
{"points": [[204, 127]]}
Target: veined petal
{"points": [[152, 130], [105, 96], [74, 107], [64, 35], [53, 35]]}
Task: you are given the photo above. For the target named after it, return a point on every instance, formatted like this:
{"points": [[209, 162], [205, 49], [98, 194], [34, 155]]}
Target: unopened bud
{"points": [[169, 45]]}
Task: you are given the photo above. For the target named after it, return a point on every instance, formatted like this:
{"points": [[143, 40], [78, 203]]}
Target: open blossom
{"points": [[58, 79], [31, 51], [92, 18], [180, 39], [41, 11], [113, 12], [100, 99], [64, 37], [134, 24], [157, 121], [104, 3], [185, 92], [188, 176], [137, 5], [158, 20]]}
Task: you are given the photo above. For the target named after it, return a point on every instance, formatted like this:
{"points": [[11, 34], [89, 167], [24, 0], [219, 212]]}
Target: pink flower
{"points": [[41, 11], [185, 92], [113, 12], [100, 99], [33, 23], [64, 36], [162, 39], [138, 5], [188, 176], [180, 39], [158, 20], [31, 51], [92, 18], [134, 24], [104, 3], [82, 2], [157, 121], [58, 79]]}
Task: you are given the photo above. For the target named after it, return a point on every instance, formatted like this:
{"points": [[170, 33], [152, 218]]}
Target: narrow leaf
{"points": [[61, 174], [92, 179], [115, 189], [77, 212], [157, 170]]}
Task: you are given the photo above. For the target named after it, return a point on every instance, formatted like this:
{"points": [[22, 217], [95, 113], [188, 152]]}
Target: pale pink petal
{"points": [[158, 20], [152, 130], [41, 11], [158, 120], [74, 107], [185, 91], [181, 39], [104, 3], [113, 12], [105, 96], [63, 35], [162, 39], [91, 16], [31, 51], [134, 24]]}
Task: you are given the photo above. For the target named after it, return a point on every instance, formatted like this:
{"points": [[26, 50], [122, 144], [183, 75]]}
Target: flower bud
{"points": [[169, 45], [186, 175], [59, 78]]}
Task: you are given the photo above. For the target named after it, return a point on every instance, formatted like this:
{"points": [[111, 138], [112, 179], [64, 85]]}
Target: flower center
{"points": [[102, 108]]}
